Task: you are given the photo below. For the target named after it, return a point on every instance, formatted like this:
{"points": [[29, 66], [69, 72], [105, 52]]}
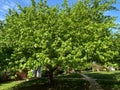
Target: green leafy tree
{"points": [[69, 36], [98, 32], [1, 24], [116, 47]]}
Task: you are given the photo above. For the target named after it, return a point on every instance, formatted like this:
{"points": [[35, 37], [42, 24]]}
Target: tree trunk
{"points": [[50, 70], [50, 78]]}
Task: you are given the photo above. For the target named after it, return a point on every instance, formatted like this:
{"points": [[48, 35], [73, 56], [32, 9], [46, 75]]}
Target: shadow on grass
{"points": [[104, 75], [109, 85], [61, 83], [107, 80], [73, 75]]}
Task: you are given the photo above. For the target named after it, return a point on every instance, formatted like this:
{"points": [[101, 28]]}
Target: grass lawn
{"points": [[104, 75], [74, 82], [107, 80], [8, 85], [73, 75]]}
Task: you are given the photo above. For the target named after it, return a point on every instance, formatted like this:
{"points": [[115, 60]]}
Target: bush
{"points": [[4, 76]]}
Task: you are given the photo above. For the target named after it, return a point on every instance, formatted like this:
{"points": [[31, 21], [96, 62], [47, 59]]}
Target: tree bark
{"points": [[50, 78], [50, 70]]}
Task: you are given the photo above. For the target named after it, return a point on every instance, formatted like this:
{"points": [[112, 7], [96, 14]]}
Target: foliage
{"points": [[116, 41], [66, 36]]}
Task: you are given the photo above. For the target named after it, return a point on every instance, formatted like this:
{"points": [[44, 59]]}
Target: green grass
{"points": [[73, 75], [107, 80], [104, 75], [109, 85], [9, 85], [60, 83]]}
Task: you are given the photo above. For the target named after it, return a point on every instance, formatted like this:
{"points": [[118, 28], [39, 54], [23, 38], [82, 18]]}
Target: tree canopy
{"points": [[68, 36]]}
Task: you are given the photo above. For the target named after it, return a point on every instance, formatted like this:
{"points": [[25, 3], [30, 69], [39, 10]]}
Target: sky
{"points": [[6, 4]]}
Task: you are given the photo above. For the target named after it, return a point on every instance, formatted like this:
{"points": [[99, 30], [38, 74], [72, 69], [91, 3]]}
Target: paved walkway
{"points": [[93, 84]]}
